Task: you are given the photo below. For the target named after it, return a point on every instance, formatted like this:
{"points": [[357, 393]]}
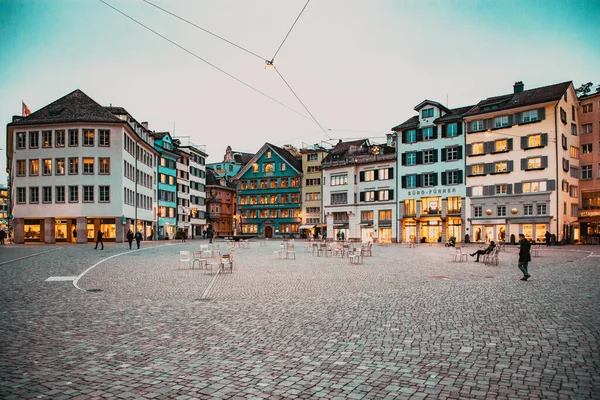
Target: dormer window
{"points": [[427, 112], [269, 154]]}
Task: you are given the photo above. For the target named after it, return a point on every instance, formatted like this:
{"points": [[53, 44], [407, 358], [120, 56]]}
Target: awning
{"points": [[366, 224], [340, 225], [306, 226]]}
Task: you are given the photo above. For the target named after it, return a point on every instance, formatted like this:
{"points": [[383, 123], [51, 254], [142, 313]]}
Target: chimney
{"points": [[145, 125], [518, 86]]}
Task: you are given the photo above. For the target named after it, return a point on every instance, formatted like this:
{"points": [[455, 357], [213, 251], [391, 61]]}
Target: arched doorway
{"points": [[269, 232]]}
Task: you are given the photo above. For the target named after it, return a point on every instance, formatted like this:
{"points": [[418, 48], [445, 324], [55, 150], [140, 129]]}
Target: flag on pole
{"points": [[26, 110]]}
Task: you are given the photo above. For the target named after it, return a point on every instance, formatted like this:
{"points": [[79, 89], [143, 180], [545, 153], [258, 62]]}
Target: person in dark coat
{"points": [[130, 238], [524, 256], [487, 250], [2, 236], [138, 238], [548, 236], [99, 240], [210, 233]]}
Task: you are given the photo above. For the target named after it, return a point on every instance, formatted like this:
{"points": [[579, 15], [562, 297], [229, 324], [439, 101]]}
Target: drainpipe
{"points": [[557, 167]]}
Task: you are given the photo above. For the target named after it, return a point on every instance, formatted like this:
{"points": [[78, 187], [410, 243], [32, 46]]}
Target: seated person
{"points": [[451, 242], [487, 250]]}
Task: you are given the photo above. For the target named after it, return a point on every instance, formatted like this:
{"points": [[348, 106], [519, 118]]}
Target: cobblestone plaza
{"points": [[407, 323]]}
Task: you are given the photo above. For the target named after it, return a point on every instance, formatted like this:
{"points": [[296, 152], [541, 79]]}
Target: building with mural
{"points": [[269, 189], [431, 178]]}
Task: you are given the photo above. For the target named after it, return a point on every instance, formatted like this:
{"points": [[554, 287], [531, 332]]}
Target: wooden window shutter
{"points": [[489, 147], [524, 140], [362, 196], [435, 178], [509, 144], [444, 154], [469, 191], [459, 154], [517, 118], [459, 128], [435, 132], [509, 188], [391, 173], [419, 135], [518, 187], [523, 164], [444, 131], [444, 177], [403, 181], [486, 190], [403, 136], [403, 158], [541, 113], [460, 176], [419, 157], [435, 155], [544, 139], [488, 123], [362, 176], [488, 168], [544, 161], [510, 164], [376, 195], [551, 185], [391, 194], [419, 181]]}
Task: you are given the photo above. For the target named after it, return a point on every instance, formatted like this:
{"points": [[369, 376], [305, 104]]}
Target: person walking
{"points": [[2, 236], [524, 256], [99, 240], [130, 238], [209, 234], [487, 250], [548, 236], [138, 238]]}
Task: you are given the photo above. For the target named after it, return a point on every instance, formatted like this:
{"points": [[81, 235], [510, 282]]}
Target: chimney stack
{"points": [[145, 125], [519, 86]]}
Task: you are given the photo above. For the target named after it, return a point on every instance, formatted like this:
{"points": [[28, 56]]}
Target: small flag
{"points": [[26, 110]]}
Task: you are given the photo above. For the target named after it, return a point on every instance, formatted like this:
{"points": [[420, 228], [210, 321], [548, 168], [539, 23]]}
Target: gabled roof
{"points": [[288, 157], [74, 107], [431, 103], [525, 98], [412, 122], [455, 114], [242, 158], [342, 148], [212, 179], [284, 154]]}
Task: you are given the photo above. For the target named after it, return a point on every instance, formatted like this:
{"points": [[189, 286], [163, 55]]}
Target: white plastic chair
{"points": [[184, 257], [199, 257]]}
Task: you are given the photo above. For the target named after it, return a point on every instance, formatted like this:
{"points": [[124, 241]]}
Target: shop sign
{"points": [[422, 192], [589, 213], [489, 222]]}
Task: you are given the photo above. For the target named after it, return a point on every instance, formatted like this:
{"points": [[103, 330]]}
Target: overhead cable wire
{"points": [[205, 61], [288, 34], [205, 30], [306, 108]]}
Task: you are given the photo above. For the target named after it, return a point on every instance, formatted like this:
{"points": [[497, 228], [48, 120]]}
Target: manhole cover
{"points": [[94, 290]]}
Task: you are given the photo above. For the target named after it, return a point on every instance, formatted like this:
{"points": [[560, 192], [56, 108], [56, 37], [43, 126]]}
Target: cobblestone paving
{"points": [[405, 324]]}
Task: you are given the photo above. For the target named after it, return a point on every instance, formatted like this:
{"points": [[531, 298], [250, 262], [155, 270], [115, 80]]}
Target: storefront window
{"points": [[91, 235], [501, 233], [454, 229], [366, 234], [540, 232], [477, 234], [528, 231], [385, 235], [60, 230], [32, 231], [410, 232]]}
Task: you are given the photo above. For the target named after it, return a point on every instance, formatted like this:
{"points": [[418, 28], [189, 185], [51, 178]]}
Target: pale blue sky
{"points": [[359, 66]]}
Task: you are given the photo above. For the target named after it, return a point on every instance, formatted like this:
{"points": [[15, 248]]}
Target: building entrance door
{"points": [[269, 232]]}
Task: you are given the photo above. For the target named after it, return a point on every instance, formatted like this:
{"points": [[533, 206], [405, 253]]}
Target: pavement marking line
{"points": [[29, 256], [76, 281], [210, 285], [60, 278]]}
